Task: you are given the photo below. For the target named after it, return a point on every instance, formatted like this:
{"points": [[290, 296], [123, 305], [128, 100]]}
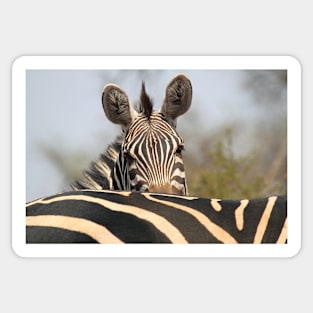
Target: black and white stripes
{"points": [[152, 149], [148, 156], [125, 217]]}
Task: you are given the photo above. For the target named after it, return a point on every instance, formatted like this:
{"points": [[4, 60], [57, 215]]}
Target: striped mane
{"points": [[98, 175]]}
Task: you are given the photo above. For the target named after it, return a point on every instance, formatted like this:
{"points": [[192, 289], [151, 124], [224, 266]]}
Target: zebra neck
{"points": [[120, 174]]}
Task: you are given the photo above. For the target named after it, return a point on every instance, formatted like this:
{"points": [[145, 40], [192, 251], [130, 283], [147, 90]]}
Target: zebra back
{"points": [[125, 217]]}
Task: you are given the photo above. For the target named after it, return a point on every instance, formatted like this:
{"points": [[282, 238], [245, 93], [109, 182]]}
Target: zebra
{"points": [[136, 192], [147, 157], [115, 217]]}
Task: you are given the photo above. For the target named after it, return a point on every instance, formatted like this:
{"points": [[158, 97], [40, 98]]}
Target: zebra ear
{"points": [[117, 107], [177, 98]]}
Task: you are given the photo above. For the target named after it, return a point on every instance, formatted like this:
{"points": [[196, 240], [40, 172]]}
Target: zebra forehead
{"points": [[152, 134], [156, 123]]}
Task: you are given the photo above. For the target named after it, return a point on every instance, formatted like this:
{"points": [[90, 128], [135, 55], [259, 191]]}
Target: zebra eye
{"points": [[179, 149]]}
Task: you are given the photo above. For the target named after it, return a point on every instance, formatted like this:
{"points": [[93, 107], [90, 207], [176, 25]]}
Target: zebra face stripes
{"points": [[125, 217], [148, 157], [152, 149]]}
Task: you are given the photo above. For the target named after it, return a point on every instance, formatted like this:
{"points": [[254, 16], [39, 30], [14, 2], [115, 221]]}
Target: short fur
{"points": [[178, 97], [116, 105]]}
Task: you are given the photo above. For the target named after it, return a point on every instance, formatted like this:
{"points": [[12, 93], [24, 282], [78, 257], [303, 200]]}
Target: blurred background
{"points": [[235, 132]]}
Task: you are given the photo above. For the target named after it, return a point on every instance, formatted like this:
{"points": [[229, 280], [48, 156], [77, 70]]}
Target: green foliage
{"points": [[221, 174]]}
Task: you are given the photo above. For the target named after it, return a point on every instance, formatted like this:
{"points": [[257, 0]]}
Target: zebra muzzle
{"points": [[165, 188]]}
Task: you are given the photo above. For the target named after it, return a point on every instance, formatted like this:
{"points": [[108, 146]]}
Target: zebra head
{"points": [[150, 158]]}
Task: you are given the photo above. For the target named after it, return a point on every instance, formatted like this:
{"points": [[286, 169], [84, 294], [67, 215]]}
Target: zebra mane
{"points": [[98, 176], [146, 104]]}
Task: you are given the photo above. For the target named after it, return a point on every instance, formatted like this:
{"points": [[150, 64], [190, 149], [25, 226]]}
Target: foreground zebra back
{"points": [[125, 217]]}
